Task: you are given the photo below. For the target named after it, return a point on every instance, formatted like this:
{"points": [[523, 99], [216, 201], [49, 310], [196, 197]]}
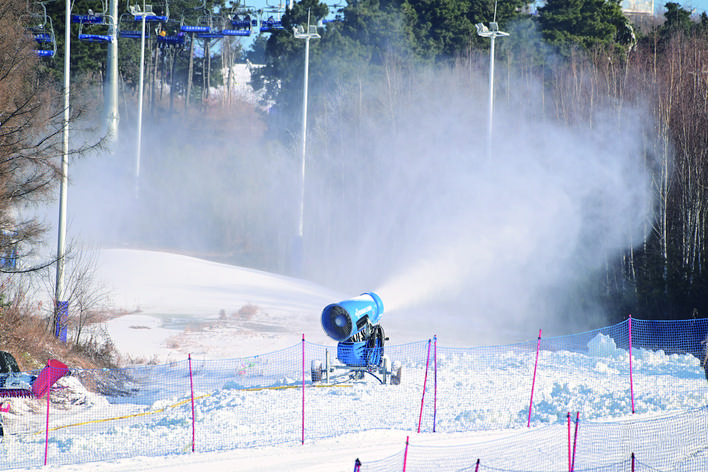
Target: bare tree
{"points": [[31, 123], [86, 297]]}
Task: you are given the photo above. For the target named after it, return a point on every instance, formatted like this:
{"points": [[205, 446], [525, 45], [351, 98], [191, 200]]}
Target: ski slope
{"points": [[165, 294]]}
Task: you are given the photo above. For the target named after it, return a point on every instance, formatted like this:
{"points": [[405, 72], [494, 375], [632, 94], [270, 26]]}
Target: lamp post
{"points": [[491, 32], [111, 106], [137, 12], [61, 305], [307, 36]]}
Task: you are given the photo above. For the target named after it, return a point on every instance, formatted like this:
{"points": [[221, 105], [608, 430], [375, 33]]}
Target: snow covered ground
{"points": [[182, 305]]}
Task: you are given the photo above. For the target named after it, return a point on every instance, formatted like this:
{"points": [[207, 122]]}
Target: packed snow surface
{"points": [[483, 394]]}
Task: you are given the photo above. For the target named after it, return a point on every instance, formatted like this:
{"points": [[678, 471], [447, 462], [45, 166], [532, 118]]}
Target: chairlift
{"points": [[211, 35], [127, 21], [217, 24], [126, 24], [174, 40], [203, 25], [271, 24], [153, 18], [170, 35], [42, 30], [241, 25], [90, 22]]}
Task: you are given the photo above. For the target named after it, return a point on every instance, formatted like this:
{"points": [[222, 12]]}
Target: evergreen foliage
{"points": [[588, 23]]}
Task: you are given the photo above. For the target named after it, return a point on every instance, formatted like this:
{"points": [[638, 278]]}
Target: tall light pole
{"points": [[112, 76], [491, 32], [307, 36], [60, 308], [137, 12]]}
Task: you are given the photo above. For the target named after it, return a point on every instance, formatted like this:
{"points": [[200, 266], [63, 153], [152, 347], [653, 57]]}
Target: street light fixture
{"points": [[300, 33], [491, 32]]}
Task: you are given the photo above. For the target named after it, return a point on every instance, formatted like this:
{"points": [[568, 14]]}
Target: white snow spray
{"points": [[406, 203], [471, 247]]}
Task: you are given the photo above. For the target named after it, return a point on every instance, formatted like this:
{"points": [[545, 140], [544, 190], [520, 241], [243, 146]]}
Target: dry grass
{"points": [[26, 334], [246, 312]]}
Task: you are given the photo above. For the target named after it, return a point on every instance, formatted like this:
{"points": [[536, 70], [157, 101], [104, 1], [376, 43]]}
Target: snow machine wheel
{"points": [[316, 371], [396, 369]]}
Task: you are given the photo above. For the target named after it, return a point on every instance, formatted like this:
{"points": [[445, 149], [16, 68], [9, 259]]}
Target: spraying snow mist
{"points": [[473, 248], [401, 198]]}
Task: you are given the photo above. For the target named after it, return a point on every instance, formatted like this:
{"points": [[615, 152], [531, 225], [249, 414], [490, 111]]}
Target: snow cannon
{"points": [[343, 320], [354, 323]]}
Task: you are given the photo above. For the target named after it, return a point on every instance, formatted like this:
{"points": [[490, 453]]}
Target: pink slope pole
{"points": [[569, 458], [425, 381], [435, 376], [476, 467], [46, 433], [533, 382], [53, 371], [631, 381], [405, 455], [191, 391], [302, 438], [575, 440]]}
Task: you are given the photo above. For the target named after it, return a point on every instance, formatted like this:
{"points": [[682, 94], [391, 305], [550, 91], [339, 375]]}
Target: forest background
{"points": [[578, 57]]}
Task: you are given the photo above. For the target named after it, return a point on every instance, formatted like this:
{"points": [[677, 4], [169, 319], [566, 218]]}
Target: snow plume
{"points": [[464, 244], [401, 198]]}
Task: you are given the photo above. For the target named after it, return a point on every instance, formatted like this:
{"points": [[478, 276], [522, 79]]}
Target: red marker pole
{"points": [[631, 381], [46, 434], [191, 389], [575, 439], [435, 373], [425, 381], [533, 382], [405, 455], [569, 457], [302, 440]]}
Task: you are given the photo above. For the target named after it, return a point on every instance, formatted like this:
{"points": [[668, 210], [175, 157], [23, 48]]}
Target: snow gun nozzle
{"points": [[343, 320]]}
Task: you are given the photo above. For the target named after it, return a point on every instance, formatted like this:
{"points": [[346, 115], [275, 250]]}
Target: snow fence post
{"points": [[53, 371], [46, 433], [302, 439], [435, 376], [569, 458], [631, 382], [533, 382], [191, 390], [405, 455], [575, 440], [425, 381]]}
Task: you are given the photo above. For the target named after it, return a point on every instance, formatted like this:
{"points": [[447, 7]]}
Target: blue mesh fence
{"points": [[97, 415]]}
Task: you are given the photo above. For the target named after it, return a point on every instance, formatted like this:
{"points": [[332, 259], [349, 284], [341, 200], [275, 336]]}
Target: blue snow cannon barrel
{"points": [[343, 320]]}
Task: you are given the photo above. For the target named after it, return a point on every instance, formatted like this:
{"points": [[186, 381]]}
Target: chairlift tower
{"points": [[300, 33], [492, 32]]}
